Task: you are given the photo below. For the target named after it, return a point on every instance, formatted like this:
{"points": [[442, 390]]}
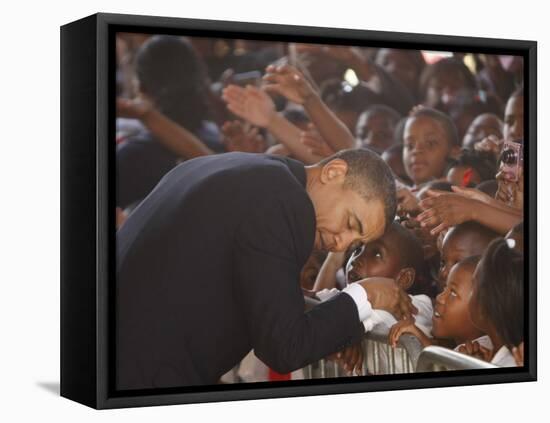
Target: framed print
{"points": [[259, 211]]}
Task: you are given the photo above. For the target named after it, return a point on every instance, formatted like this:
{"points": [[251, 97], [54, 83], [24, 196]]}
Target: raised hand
{"points": [[136, 108], [289, 82], [473, 194], [316, 144], [490, 144], [250, 103], [443, 210], [239, 137]]}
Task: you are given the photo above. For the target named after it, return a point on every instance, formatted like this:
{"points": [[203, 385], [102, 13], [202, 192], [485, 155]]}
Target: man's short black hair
{"points": [[370, 177]]}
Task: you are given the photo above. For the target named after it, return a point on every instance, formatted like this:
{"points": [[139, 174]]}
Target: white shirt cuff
{"points": [[359, 296]]}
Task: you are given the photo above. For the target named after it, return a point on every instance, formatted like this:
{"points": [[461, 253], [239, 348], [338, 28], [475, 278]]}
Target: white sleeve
{"points": [[423, 320], [359, 295]]}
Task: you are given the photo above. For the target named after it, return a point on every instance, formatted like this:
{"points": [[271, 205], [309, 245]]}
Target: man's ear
{"points": [[405, 278], [334, 170]]}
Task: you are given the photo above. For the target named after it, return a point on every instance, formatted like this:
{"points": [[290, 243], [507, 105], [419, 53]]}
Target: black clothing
{"points": [[208, 268]]}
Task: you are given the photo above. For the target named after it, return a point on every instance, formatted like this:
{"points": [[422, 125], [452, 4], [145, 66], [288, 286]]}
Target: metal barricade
{"points": [[378, 356], [434, 359]]}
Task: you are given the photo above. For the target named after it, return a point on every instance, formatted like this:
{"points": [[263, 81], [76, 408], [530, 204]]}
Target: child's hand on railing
{"points": [[407, 326], [474, 349]]}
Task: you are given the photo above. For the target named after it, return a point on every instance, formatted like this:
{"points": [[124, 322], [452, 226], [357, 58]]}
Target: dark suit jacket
{"points": [[208, 268]]}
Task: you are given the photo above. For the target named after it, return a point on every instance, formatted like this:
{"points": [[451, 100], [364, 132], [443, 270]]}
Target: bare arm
{"points": [[171, 135], [255, 106], [326, 278], [288, 81]]}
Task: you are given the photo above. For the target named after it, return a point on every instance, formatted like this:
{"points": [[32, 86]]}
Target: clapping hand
{"points": [[250, 103], [289, 82]]}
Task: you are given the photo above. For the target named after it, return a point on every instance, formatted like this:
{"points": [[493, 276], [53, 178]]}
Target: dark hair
{"points": [[445, 121], [340, 95], [382, 109], [410, 247], [296, 116], [483, 163], [499, 289], [399, 130], [483, 234], [438, 185], [170, 72], [448, 64], [370, 177]]}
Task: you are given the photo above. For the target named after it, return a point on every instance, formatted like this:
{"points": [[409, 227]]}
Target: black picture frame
{"points": [[88, 221]]}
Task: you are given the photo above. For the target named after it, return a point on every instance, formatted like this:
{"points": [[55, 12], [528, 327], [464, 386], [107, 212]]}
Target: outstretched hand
{"points": [[136, 108], [443, 210], [289, 82], [250, 103], [386, 294]]}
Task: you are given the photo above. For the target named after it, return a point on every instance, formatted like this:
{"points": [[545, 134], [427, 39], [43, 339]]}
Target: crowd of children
{"points": [[450, 126]]}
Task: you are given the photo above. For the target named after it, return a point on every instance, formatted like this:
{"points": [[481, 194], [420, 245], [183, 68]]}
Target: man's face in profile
{"points": [[342, 216]]}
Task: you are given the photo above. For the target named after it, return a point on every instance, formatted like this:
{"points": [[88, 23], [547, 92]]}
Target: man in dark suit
{"points": [[208, 265]]}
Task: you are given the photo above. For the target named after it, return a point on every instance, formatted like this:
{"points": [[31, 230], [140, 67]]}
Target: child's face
{"points": [[394, 159], [451, 317], [425, 150], [377, 258], [482, 126], [398, 64], [456, 248], [513, 119], [456, 175], [375, 130], [443, 88]]}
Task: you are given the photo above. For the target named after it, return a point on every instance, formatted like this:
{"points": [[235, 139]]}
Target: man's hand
{"points": [[289, 82], [250, 103], [385, 294], [350, 358]]}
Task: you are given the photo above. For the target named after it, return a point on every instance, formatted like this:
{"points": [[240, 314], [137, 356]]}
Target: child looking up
{"points": [[451, 318]]}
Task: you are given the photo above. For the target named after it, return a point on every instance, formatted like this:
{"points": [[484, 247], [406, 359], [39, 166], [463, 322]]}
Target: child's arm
{"points": [[173, 136], [326, 278], [442, 211], [255, 106], [407, 326], [289, 82]]}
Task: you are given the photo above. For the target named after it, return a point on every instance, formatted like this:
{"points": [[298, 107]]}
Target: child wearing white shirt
{"points": [[397, 255]]}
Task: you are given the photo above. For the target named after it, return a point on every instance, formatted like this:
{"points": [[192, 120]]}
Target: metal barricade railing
{"points": [[378, 356], [434, 358]]}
